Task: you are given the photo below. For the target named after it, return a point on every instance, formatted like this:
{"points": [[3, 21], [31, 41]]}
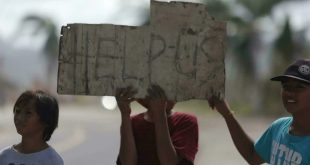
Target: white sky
{"points": [[299, 12], [108, 11], [68, 11], [72, 11]]}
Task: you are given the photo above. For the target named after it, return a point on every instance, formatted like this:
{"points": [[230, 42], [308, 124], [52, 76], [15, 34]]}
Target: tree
{"points": [[245, 45], [44, 26]]}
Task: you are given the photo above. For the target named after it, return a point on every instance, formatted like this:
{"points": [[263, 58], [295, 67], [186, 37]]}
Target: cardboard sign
{"points": [[182, 50]]}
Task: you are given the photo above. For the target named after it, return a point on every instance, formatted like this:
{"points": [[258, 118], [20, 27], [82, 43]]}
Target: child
{"points": [[35, 119], [158, 136], [287, 140]]}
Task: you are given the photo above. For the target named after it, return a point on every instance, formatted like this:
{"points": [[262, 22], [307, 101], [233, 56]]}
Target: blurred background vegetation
{"points": [[260, 45], [256, 52]]}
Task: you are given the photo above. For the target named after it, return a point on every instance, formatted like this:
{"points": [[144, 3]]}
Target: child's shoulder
{"points": [[185, 114], [138, 116], [7, 150], [186, 117], [283, 121], [52, 154]]}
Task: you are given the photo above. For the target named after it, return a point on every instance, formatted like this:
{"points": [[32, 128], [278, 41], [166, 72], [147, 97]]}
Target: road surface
{"points": [[90, 135]]}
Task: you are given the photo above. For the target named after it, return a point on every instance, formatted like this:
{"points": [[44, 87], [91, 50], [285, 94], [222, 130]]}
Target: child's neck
{"points": [[149, 117], [300, 127], [31, 145]]}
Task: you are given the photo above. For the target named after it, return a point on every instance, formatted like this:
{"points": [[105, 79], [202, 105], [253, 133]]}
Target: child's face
{"points": [[27, 121], [296, 96]]}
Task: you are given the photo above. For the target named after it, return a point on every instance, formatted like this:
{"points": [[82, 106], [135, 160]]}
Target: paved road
{"points": [[90, 135]]}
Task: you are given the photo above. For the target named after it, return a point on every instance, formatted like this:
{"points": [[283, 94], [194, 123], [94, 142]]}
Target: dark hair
{"points": [[46, 106]]}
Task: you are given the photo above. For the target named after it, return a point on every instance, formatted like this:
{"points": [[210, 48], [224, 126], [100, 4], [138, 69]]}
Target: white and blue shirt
{"points": [[277, 147]]}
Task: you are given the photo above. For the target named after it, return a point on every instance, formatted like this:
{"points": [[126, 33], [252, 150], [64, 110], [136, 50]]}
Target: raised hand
{"points": [[124, 96], [157, 99], [220, 105]]}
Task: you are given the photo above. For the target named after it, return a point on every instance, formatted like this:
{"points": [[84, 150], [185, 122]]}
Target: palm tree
{"points": [[45, 26]]}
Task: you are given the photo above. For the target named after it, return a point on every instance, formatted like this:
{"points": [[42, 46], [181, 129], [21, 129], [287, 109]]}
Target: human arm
{"points": [[128, 151], [158, 107], [242, 141], [165, 149]]}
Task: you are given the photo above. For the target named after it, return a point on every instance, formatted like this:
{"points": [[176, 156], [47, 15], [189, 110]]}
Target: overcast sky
{"points": [[69, 11], [109, 11]]}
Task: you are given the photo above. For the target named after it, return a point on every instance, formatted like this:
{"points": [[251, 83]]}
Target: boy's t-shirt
{"points": [[277, 147], [183, 129], [48, 156]]}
